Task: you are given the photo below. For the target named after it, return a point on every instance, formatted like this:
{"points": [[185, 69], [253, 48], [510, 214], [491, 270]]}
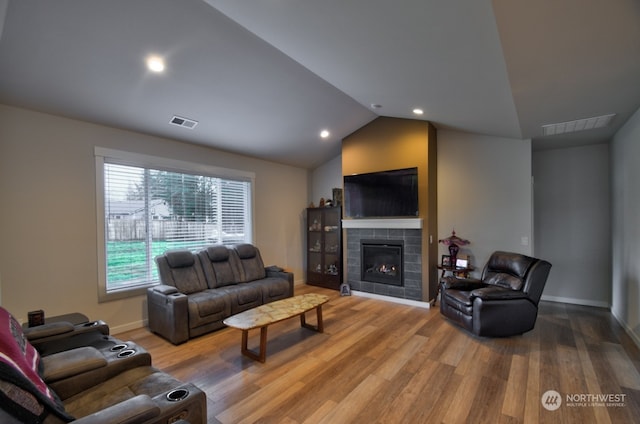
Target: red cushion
{"points": [[18, 353]]}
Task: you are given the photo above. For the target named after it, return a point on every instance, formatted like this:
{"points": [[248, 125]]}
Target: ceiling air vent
{"points": [[183, 122], [578, 125]]}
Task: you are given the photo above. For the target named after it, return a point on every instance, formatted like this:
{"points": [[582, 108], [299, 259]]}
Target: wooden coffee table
{"points": [[273, 312]]}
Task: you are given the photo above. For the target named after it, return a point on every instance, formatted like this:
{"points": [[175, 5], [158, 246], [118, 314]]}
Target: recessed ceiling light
{"points": [[418, 111], [324, 133], [155, 64]]}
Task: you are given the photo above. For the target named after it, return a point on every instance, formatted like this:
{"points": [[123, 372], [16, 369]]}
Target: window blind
{"points": [[148, 211]]}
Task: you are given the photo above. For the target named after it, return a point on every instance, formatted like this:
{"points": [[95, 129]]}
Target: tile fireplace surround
{"points": [[408, 230]]}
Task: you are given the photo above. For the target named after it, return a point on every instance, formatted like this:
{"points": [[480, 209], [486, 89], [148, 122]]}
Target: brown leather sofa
{"points": [[88, 384], [199, 290], [503, 302]]}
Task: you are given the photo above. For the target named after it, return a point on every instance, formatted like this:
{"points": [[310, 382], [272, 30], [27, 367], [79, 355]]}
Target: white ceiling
{"points": [[263, 77]]}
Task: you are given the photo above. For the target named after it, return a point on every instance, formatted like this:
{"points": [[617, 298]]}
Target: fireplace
{"points": [[383, 232], [381, 261]]}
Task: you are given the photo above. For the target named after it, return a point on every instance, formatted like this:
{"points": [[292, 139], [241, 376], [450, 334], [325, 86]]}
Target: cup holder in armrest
{"points": [[126, 353], [177, 395], [118, 347]]}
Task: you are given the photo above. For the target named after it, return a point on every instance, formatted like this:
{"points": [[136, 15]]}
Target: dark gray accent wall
{"points": [[412, 238]]}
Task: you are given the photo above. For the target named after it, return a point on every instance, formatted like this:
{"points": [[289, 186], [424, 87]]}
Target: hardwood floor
{"points": [[381, 362]]}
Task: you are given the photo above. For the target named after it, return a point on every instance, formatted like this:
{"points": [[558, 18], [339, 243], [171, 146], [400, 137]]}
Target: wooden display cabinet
{"points": [[324, 247]]}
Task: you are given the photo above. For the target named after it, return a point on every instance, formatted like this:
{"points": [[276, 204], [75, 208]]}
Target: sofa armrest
{"points": [[60, 332], [168, 313], [164, 289], [72, 362], [138, 409], [498, 293], [277, 272], [48, 330], [466, 284]]}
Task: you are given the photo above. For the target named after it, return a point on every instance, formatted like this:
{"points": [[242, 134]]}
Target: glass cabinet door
{"points": [[324, 247]]}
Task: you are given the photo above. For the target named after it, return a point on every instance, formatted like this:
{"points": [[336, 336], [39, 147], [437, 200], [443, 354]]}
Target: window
{"points": [[148, 205]]}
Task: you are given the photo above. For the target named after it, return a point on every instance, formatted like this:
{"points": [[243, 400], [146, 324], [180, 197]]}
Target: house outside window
{"points": [[147, 205]]}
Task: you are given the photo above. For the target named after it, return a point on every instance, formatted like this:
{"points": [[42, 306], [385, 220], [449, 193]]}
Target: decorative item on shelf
{"points": [[462, 262], [311, 205], [345, 289], [454, 242], [316, 247], [328, 203], [315, 226], [446, 260], [321, 205]]}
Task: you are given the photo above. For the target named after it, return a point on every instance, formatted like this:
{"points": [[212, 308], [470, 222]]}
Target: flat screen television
{"points": [[382, 194]]}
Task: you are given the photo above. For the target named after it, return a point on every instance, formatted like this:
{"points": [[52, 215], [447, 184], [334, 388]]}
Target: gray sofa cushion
{"points": [[273, 288], [243, 297], [220, 268], [251, 265], [188, 281], [181, 269], [180, 258], [218, 253], [207, 306]]}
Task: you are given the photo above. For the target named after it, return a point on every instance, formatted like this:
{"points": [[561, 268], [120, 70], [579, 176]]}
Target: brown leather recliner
{"points": [[503, 302]]}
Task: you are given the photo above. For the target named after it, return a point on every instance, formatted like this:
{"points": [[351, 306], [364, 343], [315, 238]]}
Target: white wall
{"points": [[572, 222], [485, 194], [625, 151], [48, 246]]}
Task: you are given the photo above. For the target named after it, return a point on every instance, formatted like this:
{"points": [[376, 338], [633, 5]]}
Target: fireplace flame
{"points": [[385, 269]]}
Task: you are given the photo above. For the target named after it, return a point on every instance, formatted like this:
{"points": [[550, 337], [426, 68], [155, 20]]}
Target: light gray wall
{"points": [[48, 242], [572, 222], [625, 152], [484, 193], [325, 178]]}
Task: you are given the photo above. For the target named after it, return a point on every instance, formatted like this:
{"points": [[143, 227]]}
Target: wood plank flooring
{"points": [[381, 362]]}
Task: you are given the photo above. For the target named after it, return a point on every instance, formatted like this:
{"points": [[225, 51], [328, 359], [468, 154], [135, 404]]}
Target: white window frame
{"points": [[105, 155]]}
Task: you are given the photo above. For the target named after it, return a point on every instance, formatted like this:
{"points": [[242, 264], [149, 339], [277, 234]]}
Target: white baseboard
{"points": [[408, 302], [573, 301], [127, 327], [635, 337]]}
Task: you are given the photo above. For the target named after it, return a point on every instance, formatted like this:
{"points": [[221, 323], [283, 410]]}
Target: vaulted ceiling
{"points": [[264, 77]]}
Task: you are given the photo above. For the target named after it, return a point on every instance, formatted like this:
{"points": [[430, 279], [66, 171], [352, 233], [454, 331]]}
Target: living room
{"points": [[576, 206]]}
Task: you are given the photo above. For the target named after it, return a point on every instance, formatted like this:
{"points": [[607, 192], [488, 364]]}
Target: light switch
{"points": [[524, 241]]}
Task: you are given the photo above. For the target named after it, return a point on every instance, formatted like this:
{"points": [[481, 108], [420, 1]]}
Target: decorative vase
{"points": [[454, 242], [453, 252]]}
